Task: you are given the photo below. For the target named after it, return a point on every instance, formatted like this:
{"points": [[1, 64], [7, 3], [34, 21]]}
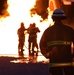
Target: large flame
{"points": [[19, 11]]}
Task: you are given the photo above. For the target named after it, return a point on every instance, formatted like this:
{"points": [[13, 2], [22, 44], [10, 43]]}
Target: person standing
{"points": [[32, 30], [21, 39], [55, 44]]}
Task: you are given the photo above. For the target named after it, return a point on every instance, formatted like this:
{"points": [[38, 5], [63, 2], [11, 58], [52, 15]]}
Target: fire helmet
{"points": [[22, 24], [34, 24], [58, 14]]}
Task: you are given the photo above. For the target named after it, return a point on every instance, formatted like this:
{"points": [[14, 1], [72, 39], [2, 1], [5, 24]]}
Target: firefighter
{"points": [[55, 44], [21, 39], [29, 38], [32, 30]]}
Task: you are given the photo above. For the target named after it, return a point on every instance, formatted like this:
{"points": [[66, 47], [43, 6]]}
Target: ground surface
{"points": [[22, 66]]}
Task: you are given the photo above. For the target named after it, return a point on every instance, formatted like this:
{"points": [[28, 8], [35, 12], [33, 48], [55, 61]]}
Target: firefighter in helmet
{"points": [[32, 40], [21, 39], [55, 44]]}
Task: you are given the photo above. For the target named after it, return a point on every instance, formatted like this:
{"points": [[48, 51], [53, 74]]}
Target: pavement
{"points": [[23, 66], [36, 65]]}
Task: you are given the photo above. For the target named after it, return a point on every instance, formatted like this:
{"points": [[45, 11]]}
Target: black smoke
{"points": [[41, 8], [3, 8]]}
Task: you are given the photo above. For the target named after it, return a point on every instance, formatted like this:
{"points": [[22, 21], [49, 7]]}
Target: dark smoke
{"points": [[41, 8], [3, 8]]}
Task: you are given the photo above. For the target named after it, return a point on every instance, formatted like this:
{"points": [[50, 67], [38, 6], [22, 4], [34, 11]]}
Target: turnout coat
{"points": [[56, 43]]}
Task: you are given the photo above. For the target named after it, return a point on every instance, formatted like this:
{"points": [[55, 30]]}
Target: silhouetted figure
{"points": [[55, 44], [33, 30], [21, 39]]}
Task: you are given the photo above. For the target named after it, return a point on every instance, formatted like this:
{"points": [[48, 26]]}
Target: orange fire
{"points": [[19, 11]]}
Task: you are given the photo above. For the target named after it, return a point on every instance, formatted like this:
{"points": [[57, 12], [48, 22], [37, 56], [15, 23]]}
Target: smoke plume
{"points": [[3, 8]]}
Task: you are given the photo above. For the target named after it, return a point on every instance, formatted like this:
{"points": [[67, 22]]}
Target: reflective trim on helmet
{"points": [[58, 14], [59, 43]]}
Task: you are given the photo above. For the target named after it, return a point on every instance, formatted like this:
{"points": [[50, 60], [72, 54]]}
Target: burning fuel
{"points": [[25, 11]]}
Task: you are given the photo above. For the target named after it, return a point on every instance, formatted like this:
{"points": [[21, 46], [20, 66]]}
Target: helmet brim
{"points": [[59, 17]]}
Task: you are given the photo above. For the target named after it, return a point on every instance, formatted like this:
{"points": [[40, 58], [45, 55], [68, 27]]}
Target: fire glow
{"points": [[19, 11]]}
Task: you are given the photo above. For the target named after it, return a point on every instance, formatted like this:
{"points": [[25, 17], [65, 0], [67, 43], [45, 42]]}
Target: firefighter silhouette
{"points": [[21, 39], [55, 44], [32, 39]]}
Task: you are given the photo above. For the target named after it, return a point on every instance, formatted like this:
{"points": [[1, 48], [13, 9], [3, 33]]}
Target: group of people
{"points": [[55, 44], [32, 30]]}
